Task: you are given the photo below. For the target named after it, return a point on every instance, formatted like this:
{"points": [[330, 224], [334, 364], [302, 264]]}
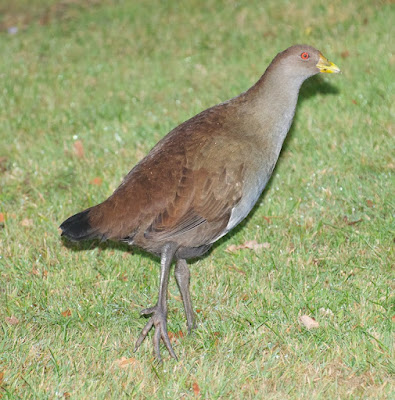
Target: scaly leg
{"points": [[182, 274], [159, 311]]}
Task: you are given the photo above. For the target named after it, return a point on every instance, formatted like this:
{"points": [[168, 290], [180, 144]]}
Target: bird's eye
{"points": [[304, 55]]}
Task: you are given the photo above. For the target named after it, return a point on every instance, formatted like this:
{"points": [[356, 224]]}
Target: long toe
{"points": [[159, 321], [143, 334]]}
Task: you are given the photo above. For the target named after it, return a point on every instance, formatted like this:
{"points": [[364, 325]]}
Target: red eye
{"points": [[305, 55]]}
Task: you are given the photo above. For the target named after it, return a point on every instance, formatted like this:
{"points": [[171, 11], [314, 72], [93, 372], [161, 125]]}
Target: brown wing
{"points": [[202, 206]]}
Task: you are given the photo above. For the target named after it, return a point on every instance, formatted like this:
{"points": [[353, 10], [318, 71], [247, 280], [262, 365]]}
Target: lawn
{"points": [[87, 88]]}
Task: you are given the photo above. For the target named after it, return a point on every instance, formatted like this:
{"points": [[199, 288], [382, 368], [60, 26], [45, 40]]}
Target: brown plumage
{"points": [[202, 179]]}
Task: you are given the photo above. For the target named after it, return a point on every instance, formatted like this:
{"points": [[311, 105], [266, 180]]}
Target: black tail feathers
{"points": [[78, 227]]}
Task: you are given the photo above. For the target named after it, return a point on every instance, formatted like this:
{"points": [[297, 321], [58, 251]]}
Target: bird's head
{"points": [[304, 61]]}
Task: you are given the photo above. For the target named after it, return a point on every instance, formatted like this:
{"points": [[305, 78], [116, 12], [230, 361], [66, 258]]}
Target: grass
{"points": [[115, 76]]}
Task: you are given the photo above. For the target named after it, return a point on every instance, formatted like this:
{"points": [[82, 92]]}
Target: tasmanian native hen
{"points": [[201, 180]]}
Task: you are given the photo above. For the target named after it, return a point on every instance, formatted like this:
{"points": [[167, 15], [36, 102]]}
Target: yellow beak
{"points": [[325, 65]]}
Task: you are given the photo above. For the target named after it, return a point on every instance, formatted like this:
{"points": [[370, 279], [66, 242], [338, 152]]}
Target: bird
{"points": [[201, 180]]}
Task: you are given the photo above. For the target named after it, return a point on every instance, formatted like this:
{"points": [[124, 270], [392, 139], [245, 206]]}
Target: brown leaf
{"points": [[66, 395], [27, 222], [175, 335], [66, 313], [250, 244], [78, 148], [393, 318], [345, 219], [354, 101], [369, 203], [308, 322], [12, 320], [124, 362], [195, 388], [345, 54], [232, 248], [3, 164], [123, 277], [2, 219], [240, 271], [1, 377], [96, 181]]}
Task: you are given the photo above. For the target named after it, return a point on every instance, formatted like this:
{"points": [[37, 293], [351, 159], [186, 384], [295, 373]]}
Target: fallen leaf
{"points": [[124, 362], [3, 164], [96, 181], [369, 203], [393, 318], [78, 148], [195, 388], [269, 34], [232, 248], [175, 335], [240, 271], [250, 244], [345, 219], [345, 54], [1, 377], [354, 101], [12, 320], [309, 322], [27, 222], [123, 277], [2, 218], [66, 395], [66, 313]]}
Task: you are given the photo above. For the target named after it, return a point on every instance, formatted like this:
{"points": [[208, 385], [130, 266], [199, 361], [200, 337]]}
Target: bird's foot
{"points": [[159, 321]]}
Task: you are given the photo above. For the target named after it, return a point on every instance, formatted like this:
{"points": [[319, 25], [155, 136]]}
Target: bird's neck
{"points": [[273, 101]]}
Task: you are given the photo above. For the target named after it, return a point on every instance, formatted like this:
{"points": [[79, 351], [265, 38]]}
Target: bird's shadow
{"points": [[106, 245], [312, 87]]}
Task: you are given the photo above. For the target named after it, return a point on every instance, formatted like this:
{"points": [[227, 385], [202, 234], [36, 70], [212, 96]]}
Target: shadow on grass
{"points": [[313, 86]]}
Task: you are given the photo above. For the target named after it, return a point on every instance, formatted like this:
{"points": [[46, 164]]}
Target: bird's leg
{"points": [[159, 311], [182, 274]]}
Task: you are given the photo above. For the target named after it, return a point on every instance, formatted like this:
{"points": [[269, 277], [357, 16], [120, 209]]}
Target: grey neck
{"points": [[273, 101]]}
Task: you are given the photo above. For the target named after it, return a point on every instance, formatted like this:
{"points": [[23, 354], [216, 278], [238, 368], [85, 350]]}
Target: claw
{"points": [[158, 320]]}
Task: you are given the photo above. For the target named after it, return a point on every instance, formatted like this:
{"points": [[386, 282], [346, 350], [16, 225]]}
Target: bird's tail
{"points": [[79, 227]]}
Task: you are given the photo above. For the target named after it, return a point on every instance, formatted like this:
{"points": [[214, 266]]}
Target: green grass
{"points": [[118, 76]]}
